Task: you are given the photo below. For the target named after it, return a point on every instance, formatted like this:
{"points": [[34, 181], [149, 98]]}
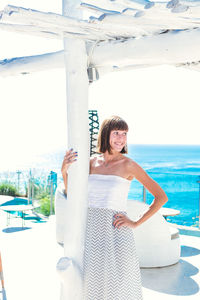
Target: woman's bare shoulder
{"points": [[137, 171], [128, 160], [132, 165]]}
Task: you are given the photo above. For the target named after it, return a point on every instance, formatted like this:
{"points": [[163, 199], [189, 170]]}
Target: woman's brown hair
{"points": [[112, 123]]}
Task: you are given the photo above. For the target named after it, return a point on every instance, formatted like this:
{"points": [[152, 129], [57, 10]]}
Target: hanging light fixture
{"points": [[93, 73]]}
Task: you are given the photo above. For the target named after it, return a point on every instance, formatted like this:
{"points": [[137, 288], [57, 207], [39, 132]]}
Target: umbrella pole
{"points": [[70, 267]]}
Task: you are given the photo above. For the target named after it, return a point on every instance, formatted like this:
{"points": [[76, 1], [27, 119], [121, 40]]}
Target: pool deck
{"points": [[30, 255]]}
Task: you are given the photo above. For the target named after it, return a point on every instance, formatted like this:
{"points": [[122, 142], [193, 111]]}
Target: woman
{"points": [[111, 265]]}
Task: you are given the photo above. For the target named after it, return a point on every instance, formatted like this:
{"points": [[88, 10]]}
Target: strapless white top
{"points": [[108, 191]]}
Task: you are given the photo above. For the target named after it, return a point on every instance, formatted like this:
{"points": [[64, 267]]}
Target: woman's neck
{"points": [[111, 157]]}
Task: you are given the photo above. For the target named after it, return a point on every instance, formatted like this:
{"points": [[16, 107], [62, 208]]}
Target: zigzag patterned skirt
{"points": [[111, 264]]}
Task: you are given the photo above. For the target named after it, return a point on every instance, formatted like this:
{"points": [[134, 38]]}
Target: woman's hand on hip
{"points": [[69, 158], [123, 220]]}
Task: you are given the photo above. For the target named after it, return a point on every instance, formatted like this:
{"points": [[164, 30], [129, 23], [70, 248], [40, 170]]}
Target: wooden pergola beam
{"points": [[170, 48], [108, 26], [77, 84]]}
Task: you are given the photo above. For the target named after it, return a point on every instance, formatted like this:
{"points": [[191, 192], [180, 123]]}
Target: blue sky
{"points": [[160, 104]]}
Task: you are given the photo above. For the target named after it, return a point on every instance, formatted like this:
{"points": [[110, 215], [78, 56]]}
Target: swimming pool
{"points": [[15, 201], [19, 201]]}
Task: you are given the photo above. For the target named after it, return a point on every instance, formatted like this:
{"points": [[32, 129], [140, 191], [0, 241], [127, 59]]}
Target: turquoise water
{"points": [[22, 201], [176, 168], [16, 201]]}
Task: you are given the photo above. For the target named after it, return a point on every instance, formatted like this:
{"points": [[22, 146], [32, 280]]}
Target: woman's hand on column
{"points": [[69, 158]]}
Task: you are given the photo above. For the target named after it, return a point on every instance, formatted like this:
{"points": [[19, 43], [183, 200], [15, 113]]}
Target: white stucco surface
{"points": [[30, 256]]}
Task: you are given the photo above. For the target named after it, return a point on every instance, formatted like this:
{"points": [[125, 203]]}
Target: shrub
{"points": [[45, 202], [45, 206], [8, 189]]}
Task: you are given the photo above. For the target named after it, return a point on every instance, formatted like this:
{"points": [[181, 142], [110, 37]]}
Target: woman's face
{"points": [[118, 139]]}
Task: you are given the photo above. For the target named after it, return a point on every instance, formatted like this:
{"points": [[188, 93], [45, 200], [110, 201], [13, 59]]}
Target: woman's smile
{"points": [[118, 139]]}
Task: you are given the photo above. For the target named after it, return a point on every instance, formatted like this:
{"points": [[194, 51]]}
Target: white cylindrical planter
{"points": [[70, 267]]}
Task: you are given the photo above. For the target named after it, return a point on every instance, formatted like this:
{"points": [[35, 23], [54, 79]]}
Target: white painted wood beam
{"points": [[108, 26], [157, 11], [31, 30], [169, 48], [77, 85], [116, 5], [49, 61], [31, 64], [98, 9], [50, 24], [195, 66], [51, 32], [154, 19], [120, 5]]}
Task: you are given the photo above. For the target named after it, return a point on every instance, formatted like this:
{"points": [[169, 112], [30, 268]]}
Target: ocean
{"points": [[176, 168]]}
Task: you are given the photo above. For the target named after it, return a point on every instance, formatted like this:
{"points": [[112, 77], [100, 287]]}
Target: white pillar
{"points": [[77, 84]]}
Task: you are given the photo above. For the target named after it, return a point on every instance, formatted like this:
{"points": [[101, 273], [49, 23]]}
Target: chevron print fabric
{"points": [[111, 264]]}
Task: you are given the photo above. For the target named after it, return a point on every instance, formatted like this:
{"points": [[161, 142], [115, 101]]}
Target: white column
{"points": [[77, 84]]}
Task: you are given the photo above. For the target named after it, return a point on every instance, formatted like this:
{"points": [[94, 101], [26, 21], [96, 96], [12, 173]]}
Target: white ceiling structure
{"points": [[119, 34]]}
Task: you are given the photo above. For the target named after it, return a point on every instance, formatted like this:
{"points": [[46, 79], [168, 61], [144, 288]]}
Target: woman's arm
{"points": [[65, 179], [69, 158], [153, 187]]}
